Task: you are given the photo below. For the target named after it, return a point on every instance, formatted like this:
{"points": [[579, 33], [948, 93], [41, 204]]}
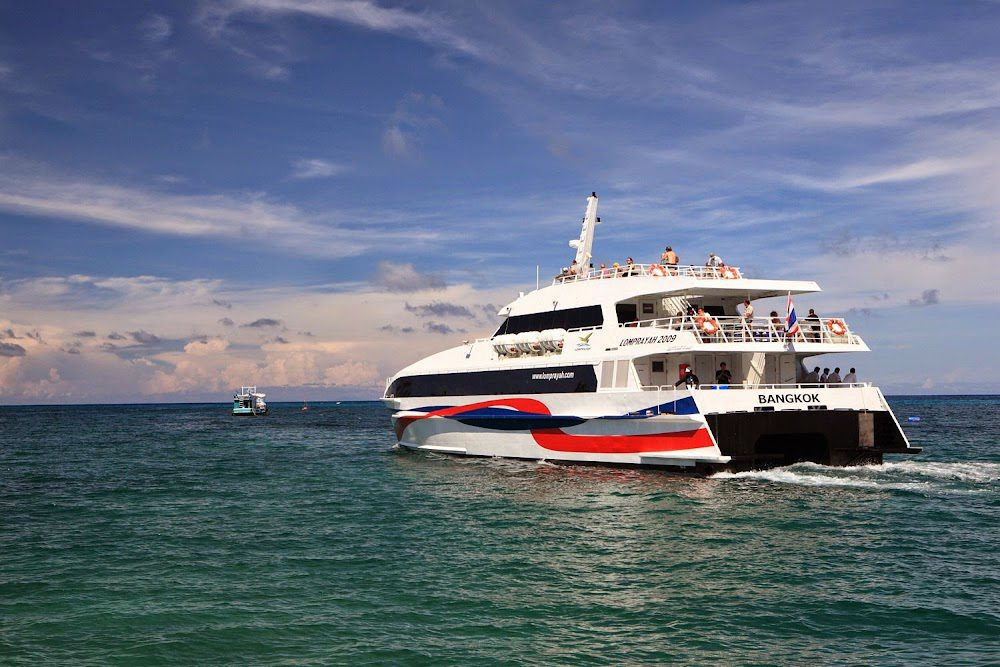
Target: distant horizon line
{"points": [[368, 400]]}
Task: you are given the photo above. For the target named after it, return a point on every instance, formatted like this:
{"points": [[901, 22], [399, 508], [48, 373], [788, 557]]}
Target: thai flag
{"points": [[791, 321]]}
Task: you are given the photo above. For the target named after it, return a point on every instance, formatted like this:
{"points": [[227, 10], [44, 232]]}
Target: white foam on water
{"points": [[787, 476], [903, 475], [971, 471]]}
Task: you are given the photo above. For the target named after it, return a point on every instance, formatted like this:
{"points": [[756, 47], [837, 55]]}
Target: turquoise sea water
{"points": [[181, 535]]}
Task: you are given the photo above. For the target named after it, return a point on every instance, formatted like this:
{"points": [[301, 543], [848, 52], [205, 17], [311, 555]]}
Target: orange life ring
{"points": [[730, 272], [836, 327], [657, 270], [709, 326]]}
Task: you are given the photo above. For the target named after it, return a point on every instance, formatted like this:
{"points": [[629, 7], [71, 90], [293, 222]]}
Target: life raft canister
{"points": [[709, 326], [836, 327], [657, 270], [730, 272]]}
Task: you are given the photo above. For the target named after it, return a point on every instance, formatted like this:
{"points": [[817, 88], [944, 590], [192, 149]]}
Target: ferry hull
{"points": [[674, 434]]}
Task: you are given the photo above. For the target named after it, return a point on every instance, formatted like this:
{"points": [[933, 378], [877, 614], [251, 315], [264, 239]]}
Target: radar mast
{"points": [[585, 243]]}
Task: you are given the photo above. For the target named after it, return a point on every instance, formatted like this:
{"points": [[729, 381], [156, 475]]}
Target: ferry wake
{"points": [[603, 365]]}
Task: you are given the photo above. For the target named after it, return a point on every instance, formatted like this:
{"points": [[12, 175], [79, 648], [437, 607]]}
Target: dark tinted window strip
{"points": [[552, 380], [569, 318]]}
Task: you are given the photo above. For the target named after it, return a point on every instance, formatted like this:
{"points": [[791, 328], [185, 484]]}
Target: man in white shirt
{"points": [[812, 377], [834, 376], [851, 377]]}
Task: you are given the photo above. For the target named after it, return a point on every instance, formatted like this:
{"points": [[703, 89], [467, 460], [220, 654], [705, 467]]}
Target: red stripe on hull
{"points": [[558, 441]]}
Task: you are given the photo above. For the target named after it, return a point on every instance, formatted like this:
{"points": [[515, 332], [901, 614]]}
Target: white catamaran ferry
{"points": [[596, 368]]}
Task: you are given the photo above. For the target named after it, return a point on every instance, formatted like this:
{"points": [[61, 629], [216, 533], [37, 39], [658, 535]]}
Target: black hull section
{"points": [[757, 440]]}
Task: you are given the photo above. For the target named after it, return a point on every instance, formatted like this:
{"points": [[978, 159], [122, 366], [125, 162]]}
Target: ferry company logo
{"points": [[584, 341], [562, 375]]}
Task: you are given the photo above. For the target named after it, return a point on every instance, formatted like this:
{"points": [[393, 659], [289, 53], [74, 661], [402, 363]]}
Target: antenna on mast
{"points": [[585, 243]]}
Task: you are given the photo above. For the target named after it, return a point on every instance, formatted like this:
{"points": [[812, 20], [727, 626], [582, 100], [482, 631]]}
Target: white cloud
{"points": [[395, 142], [426, 26], [156, 28], [206, 347], [248, 217], [305, 169]]}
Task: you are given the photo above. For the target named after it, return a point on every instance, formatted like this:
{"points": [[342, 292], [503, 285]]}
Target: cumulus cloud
{"points": [[261, 323], [144, 337], [114, 335], [222, 304], [391, 328], [404, 278], [206, 346], [929, 297], [226, 322], [439, 309], [85, 334], [438, 328], [12, 350], [315, 168]]}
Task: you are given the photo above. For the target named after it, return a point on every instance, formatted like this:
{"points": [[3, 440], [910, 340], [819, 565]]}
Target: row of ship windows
{"points": [[580, 318]]}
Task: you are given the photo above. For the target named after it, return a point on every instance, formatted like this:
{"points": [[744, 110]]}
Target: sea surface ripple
{"points": [[143, 535]]}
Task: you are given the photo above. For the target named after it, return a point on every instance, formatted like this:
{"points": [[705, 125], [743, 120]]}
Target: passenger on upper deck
{"points": [[670, 259], [616, 270], [723, 376], [630, 268], [605, 273], [715, 262], [824, 376], [689, 379], [813, 325], [747, 311], [834, 376], [851, 377], [574, 268], [812, 377]]}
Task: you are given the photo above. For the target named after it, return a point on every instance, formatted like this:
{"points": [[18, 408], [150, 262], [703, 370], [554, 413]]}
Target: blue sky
{"points": [[309, 194]]}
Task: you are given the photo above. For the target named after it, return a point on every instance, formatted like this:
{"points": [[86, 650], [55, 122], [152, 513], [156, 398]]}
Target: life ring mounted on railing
{"points": [[709, 326], [836, 327], [657, 270], [730, 272]]}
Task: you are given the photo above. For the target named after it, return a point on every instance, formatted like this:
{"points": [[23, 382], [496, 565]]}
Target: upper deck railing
{"points": [[736, 329], [632, 270]]}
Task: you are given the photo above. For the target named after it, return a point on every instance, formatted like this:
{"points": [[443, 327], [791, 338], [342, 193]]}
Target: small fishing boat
{"points": [[305, 408], [249, 402]]}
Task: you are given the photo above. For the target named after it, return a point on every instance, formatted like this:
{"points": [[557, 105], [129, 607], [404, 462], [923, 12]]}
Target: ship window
{"points": [[568, 318], [621, 374], [607, 373], [658, 367], [648, 309], [626, 312]]}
